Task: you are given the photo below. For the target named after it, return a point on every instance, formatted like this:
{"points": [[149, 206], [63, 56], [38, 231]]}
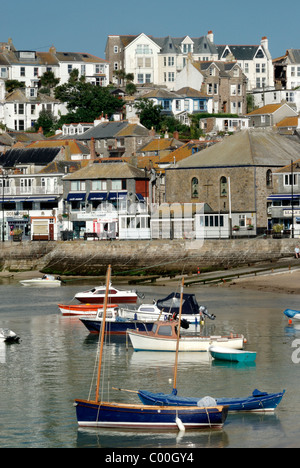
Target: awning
{"points": [[117, 195], [284, 197], [76, 197], [97, 196], [140, 197]]}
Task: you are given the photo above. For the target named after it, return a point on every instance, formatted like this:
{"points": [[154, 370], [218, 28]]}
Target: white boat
{"points": [[46, 280], [97, 296], [8, 336], [163, 337]]}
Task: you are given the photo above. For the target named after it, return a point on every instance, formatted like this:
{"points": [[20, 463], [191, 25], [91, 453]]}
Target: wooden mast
{"points": [[177, 343], [102, 332]]}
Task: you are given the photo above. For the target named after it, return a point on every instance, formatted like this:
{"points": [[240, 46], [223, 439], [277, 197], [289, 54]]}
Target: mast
{"points": [[177, 343], [103, 331]]}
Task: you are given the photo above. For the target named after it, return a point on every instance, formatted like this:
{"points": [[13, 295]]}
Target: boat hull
{"points": [[84, 299], [232, 355], [128, 416], [81, 309], [144, 342], [113, 327], [257, 402], [292, 314], [43, 283]]}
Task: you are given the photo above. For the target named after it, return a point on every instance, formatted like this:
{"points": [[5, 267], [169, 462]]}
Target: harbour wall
{"points": [[155, 257]]}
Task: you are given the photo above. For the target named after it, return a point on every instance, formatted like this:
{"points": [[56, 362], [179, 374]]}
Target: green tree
{"points": [[46, 121], [10, 85], [149, 113], [86, 102], [48, 80]]}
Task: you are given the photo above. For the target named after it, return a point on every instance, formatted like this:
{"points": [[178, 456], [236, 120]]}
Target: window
{"points": [[223, 187], [77, 185], [288, 178], [178, 104], [209, 88], [116, 49], [171, 76], [35, 71], [70, 68], [22, 71], [32, 109], [83, 68], [99, 185], [116, 184], [195, 187], [269, 181], [171, 61]]}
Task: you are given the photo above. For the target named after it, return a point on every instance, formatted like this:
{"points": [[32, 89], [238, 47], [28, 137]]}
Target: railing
{"points": [[32, 190]]}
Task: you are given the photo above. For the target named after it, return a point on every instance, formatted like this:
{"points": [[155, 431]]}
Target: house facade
{"points": [[234, 177], [107, 201], [223, 82], [20, 109], [28, 66], [160, 60], [287, 70], [270, 115]]}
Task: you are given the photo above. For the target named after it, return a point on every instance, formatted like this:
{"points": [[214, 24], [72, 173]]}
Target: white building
{"points": [[28, 66], [159, 60], [20, 109]]}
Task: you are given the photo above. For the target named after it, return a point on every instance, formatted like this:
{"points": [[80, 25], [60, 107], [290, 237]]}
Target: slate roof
{"points": [[120, 170], [37, 156], [240, 52], [112, 130], [254, 147]]}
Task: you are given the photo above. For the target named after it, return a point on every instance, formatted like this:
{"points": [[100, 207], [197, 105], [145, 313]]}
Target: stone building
{"points": [[233, 176]]}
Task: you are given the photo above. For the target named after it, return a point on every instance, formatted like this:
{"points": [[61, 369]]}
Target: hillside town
{"points": [[224, 164]]}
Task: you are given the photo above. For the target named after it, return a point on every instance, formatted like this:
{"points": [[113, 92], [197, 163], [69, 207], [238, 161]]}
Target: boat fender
{"points": [[180, 424]]}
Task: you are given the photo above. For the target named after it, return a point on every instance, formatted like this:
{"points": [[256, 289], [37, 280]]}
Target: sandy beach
{"points": [[286, 283]]}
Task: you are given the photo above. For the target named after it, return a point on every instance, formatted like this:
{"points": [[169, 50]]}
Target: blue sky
{"points": [[76, 26]]}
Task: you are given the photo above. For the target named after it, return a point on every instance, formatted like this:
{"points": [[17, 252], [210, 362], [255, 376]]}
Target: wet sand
{"points": [[286, 283]]}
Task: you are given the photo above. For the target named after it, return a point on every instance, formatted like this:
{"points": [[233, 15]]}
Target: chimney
{"points": [[210, 36], [176, 135], [40, 130], [67, 150], [264, 43], [152, 132], [92, 149]]}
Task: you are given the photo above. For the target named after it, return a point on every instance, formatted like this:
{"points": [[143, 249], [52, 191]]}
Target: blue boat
{"points": [[114, 324], [232, 355], [98, 413], [292, 314], [257, 402]]}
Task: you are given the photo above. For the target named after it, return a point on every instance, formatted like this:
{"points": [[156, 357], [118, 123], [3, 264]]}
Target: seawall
{"points": [[135, 257]]}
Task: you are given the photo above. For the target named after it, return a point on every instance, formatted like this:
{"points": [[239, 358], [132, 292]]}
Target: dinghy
{"points": [[292, 314], [8, 336], [257, 402], [232, 355]]}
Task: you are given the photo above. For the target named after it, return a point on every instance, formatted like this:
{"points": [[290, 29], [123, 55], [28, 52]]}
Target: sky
{"points": [[76, 26]]}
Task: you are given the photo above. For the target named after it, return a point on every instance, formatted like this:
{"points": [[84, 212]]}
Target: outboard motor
{"points": [[203, 311]]}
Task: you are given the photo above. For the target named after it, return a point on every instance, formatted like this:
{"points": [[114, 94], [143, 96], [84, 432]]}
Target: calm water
{"points": [[54, 364]]}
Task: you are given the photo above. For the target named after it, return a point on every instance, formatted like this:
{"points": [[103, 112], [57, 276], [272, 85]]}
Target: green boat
{"points": [[232, 355]]}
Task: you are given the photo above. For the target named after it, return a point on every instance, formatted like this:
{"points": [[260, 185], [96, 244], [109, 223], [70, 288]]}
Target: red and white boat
{"points": [[97, 296], [76, 310]]}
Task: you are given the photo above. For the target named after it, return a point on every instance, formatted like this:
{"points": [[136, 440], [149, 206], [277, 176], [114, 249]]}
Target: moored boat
{"points": [[258, 402], [77, 310], [115, 324], [232, 355], [48, 281], [98, 413], [163, 337], [97, 296], [8, 336], [292, 314]]}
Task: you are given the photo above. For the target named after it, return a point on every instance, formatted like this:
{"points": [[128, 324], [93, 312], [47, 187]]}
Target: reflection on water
{"points": [[53, 364]]}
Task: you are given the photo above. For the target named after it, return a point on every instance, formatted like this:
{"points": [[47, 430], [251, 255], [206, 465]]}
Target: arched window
{"points": [[269, 178], [223, 187], [195, 187]]}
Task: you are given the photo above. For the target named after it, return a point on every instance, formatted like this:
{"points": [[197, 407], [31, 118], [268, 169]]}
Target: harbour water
{"points": [[53, 364]]}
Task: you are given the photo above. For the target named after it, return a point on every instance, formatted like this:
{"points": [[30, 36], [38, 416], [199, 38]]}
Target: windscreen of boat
{"points": [[165, 330]]}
